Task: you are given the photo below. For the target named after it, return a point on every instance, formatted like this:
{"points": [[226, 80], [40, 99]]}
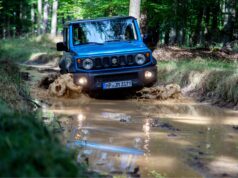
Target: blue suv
{"points": [[106, 54]]}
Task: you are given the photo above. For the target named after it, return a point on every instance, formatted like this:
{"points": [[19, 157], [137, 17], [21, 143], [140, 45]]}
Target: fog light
{"points": [[83, 81], [148, 75]]}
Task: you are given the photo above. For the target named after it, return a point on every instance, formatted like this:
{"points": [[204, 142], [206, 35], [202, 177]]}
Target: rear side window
{"points": [[66, 37]]}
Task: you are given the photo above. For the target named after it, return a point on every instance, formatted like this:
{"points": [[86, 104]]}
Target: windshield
{"points": [[104, 31]]}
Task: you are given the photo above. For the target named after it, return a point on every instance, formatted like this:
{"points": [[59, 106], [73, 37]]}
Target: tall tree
{"points": [[229, 20], [135, 9], [39, 15], [54, 18], [45, 16]]}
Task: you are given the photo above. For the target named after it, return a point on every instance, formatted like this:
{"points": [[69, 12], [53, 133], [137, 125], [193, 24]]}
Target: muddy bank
{"points": [[12, 87], [205, 80]]}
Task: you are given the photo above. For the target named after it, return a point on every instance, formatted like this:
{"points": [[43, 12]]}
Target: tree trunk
{"points": [[166, 36], [184, 37], [214, 28], [54, 18], [207, 33], [143, 22], [32, 19], [236, 22], [39, 30], [46, 16], [196, 37], [229, 22], [135, 9]]}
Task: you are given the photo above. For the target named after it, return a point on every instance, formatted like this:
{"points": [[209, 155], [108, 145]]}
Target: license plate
{"points": [[119, 84]]}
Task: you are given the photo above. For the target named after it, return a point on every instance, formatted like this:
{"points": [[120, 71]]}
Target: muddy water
{"points": [[147, 138], [173, 138]]}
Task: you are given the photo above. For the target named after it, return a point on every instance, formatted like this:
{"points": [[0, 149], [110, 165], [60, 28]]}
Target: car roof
{"points": [[98, 19]]}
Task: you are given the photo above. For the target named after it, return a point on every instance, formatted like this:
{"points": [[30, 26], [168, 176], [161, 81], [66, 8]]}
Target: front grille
{"points": [[98, 62], [114, 61], [130, 60], [116, 77], [122, 60], [106, 62]]}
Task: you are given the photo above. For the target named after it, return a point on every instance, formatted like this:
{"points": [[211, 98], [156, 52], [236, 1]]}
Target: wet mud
{"points": [[135, 138]]}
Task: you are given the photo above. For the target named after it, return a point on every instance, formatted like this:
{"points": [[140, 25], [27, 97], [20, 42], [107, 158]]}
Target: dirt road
{"points": [[174, 138]]}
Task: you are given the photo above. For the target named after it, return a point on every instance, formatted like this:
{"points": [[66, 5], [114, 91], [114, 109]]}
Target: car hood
{"points": [[109, 48]]}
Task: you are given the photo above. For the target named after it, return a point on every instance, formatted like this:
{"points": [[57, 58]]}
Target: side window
{"points": [[130, 32], [79, 36], [66, 37]]}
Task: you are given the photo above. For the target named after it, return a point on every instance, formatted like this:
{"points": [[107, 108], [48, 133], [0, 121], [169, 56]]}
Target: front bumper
{"points": [[137, 76]]}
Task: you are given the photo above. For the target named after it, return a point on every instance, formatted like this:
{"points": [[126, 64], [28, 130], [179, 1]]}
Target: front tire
{"points": [[62, 71]]}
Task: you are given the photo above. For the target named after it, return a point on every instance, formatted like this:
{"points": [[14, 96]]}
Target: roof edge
{"points": [[97, 19]]}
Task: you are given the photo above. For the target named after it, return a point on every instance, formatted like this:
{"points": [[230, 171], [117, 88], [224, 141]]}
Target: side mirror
{"points": [[61, 46]]}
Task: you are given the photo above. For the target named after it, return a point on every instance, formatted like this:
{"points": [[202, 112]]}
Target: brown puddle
{"points": [[147, 138], [172, 138]]}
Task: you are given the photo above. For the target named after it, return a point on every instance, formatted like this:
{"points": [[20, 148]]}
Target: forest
{"points": [[191, 23], [185, 125]]}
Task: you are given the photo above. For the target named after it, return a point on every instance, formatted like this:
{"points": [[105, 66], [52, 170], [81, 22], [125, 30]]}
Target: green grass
{"points": [[156, 174], [13, 90], [21, 49], [210, 77]]}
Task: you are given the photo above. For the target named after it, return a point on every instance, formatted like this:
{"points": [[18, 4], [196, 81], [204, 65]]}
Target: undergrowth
{"points": [[213, 78], [21, 49], [28, 148]]}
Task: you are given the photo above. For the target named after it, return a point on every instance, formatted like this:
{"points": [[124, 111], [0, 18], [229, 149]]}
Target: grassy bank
{"points": [[206, 78], [28, 148], [22, 49]]}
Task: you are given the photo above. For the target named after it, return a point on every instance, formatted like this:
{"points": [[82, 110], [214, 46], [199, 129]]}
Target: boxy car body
{"points": [[106, 54]]}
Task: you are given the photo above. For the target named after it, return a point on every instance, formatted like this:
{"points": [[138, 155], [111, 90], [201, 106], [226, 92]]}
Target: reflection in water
{"points": [[146, 130], [199, 133], [105, 147], [116, 116]]}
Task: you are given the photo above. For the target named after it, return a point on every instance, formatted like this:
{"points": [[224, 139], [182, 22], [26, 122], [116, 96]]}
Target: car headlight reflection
{"points": [[87, 64], [140, 59]]}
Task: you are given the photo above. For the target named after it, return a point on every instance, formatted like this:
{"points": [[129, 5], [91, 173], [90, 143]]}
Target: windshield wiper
{"points": [[93, 43], [118, 40], [113, 40]]}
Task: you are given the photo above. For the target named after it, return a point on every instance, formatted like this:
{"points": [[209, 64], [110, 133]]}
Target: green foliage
{"points": [[199, 23], [71, 9], [190, 23], [21, 49], [156, 174], [0, 5], [29, 150]]}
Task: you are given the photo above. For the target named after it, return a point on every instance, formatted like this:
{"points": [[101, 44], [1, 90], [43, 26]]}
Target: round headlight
{"points": [[87, 64], [140, 59]]}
